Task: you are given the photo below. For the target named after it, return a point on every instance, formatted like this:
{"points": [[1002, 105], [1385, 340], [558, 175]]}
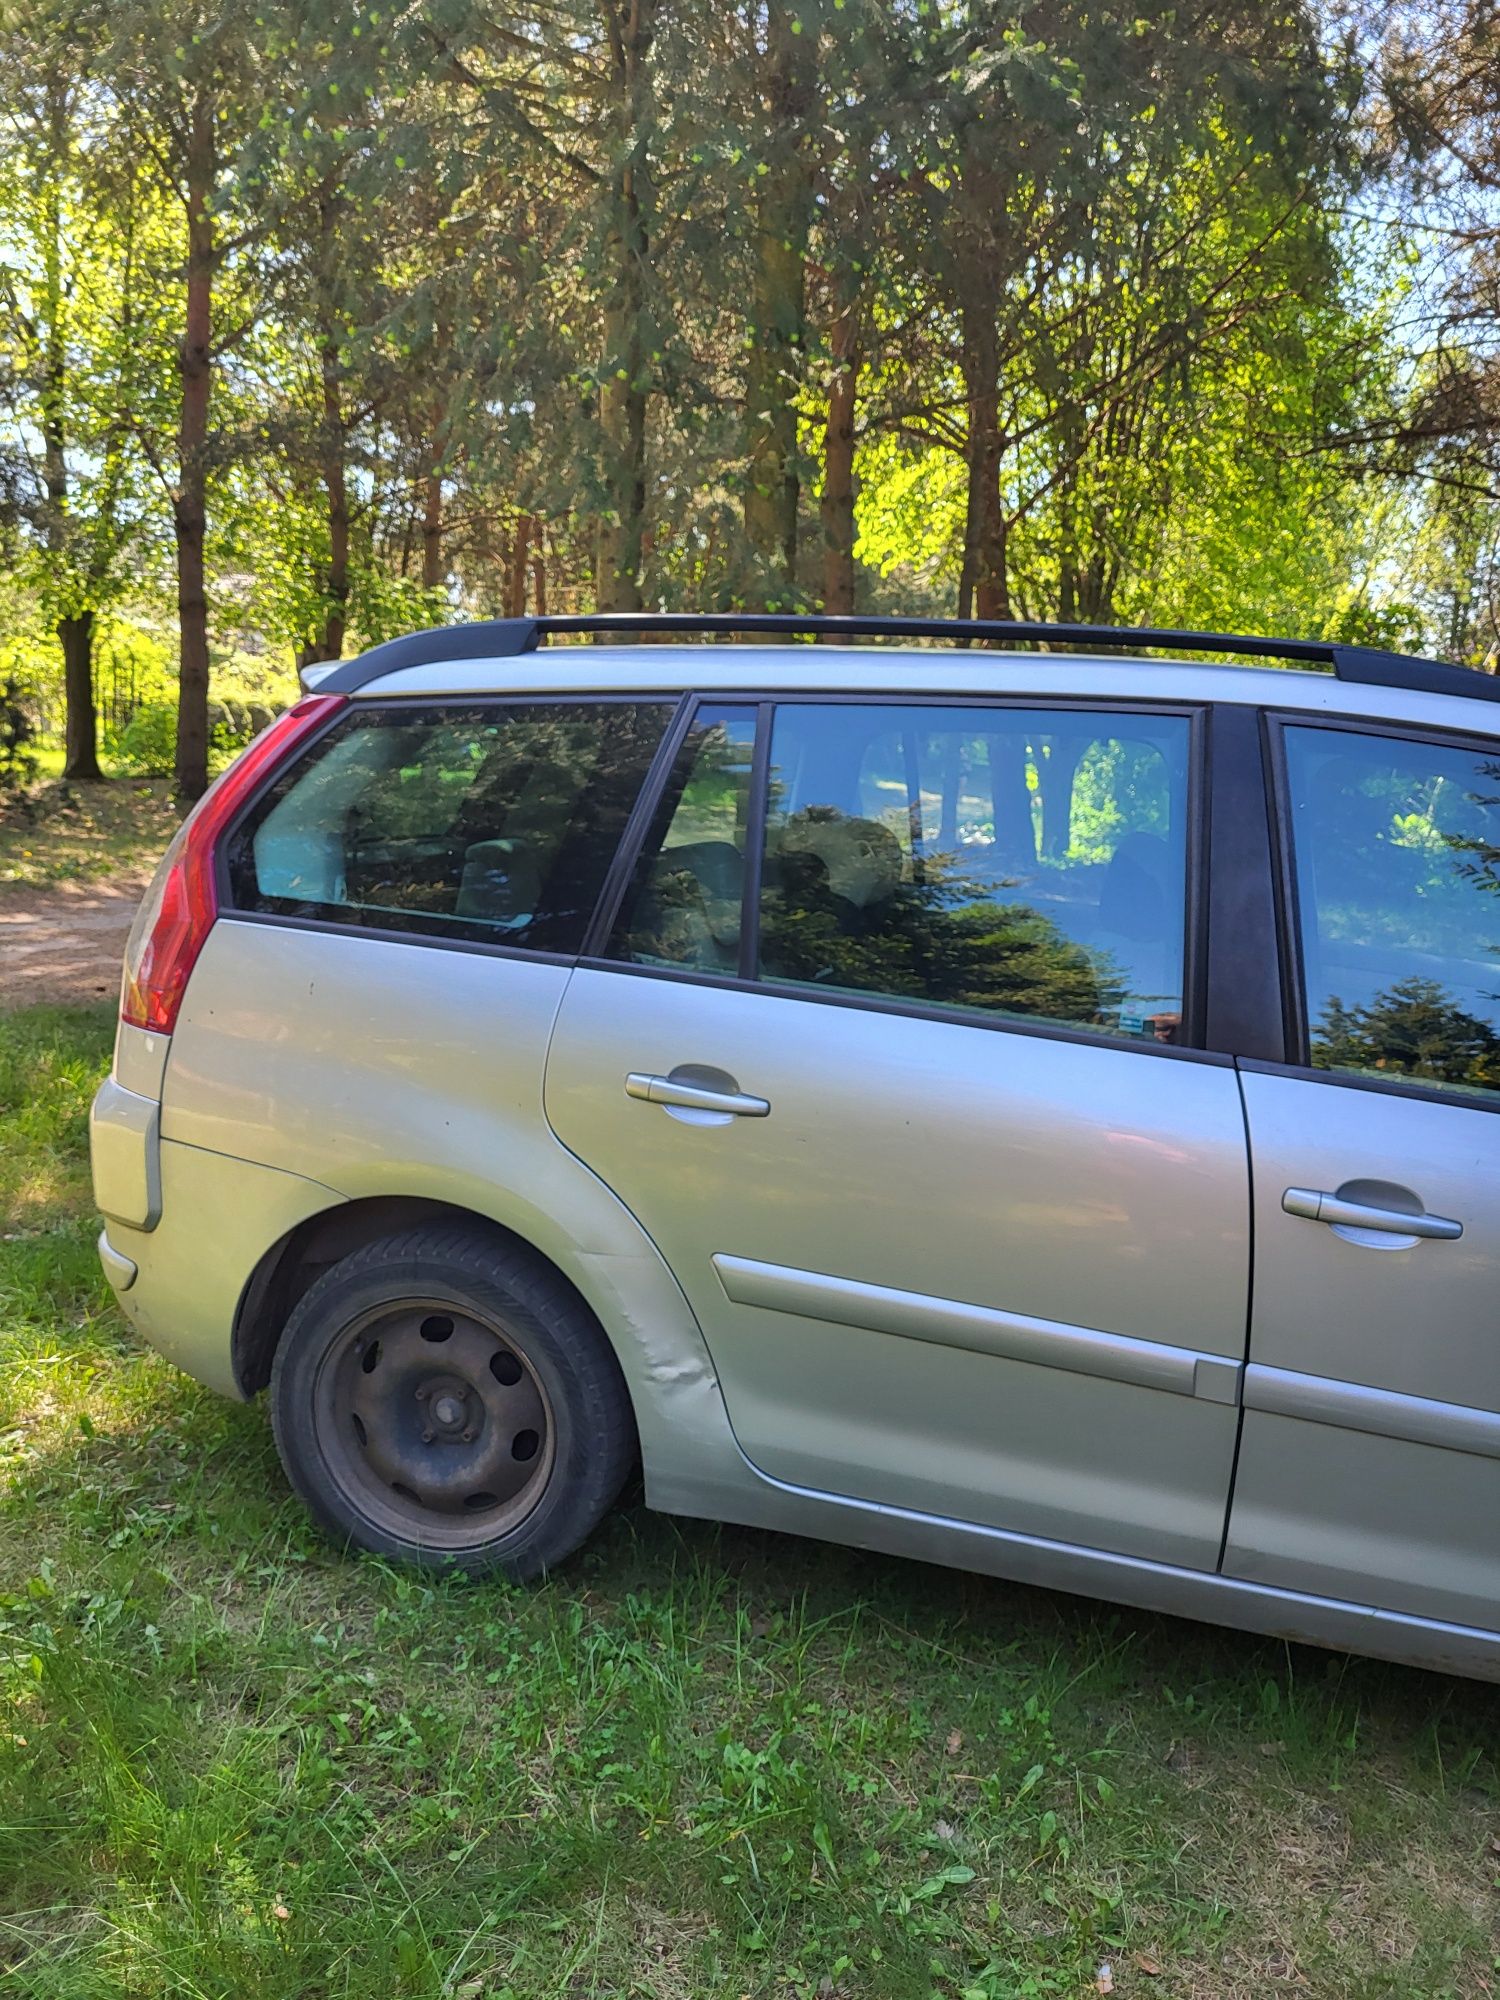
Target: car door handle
{"points": [[1314, 1205], [694, 1096]]}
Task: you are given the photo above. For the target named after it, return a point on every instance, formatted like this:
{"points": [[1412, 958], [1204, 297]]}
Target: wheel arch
{"points": [[300, 1257], [690, 1458]]}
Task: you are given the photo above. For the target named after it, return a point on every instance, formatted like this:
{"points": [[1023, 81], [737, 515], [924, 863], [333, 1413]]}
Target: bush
{"points": [[229, 724], [147, 745], [18, 732]]}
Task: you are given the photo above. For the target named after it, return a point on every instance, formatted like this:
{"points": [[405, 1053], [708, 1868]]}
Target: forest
{"points": [[320, 322]]}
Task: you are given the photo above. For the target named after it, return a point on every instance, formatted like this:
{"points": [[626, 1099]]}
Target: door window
{"points": [[489, 822], [1030, 863], [685, 906], [1396, 850]]}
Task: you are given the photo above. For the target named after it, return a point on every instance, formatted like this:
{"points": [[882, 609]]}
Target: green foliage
{"points": [[134, 666], [147, 745], [17, 736], [1118, 344]]}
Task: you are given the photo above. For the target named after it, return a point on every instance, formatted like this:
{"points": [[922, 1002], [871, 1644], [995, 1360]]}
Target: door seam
{"points": [[1239, 1427]]}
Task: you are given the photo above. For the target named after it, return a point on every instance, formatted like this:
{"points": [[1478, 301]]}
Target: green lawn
{"points": [[701, 1762], [52, 832]]}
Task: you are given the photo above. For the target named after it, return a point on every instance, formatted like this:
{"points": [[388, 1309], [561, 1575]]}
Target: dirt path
{"points": [[64, 945]]}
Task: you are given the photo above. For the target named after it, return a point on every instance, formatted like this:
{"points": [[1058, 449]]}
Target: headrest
{"points": [[1136, 898]]}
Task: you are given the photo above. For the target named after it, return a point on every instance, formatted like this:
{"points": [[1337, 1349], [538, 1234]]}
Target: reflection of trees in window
{"points": [[1414, 1029], [1479, 861], [946, 940], [712, 802], [1393, 854], [1121, 786]]}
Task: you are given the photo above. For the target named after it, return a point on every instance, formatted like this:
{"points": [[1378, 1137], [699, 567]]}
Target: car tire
{"points": [[443, 1398]]}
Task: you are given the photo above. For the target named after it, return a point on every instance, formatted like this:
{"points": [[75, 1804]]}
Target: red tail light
{"points": [[180, 906]]}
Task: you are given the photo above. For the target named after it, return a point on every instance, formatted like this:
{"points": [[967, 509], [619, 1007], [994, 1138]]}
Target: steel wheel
{"points": [[441, 1396], [433, 1419]]}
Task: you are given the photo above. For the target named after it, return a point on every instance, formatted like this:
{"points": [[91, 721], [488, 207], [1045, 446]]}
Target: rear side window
{"points": [[490, 822], [1030, 863], [1396, 849]]}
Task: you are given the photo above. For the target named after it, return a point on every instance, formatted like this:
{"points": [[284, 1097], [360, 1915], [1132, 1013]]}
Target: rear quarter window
{"points": [[488, 823]]}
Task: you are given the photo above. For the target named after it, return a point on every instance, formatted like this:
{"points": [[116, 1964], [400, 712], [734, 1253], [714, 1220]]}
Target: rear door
{"points": [[1370, 1462], [888, 1049]]}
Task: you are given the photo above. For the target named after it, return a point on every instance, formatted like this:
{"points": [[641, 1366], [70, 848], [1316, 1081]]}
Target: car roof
{"points": [[886, 671]]}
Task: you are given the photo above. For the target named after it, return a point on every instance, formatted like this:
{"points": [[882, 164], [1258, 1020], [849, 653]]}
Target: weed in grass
{"points": [[700, 1762]]}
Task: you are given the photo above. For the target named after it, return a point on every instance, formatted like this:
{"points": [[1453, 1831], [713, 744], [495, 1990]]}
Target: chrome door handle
{"points": [[694, 1096], [1313, 1205]]}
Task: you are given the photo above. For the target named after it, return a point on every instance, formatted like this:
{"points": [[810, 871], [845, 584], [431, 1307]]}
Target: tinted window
{"points": [[685, 905], [1023, 862], [1396, 847], [491, 822]]}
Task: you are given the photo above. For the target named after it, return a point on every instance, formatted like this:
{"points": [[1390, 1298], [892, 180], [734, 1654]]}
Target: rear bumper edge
{"points": [[120, 1270]]}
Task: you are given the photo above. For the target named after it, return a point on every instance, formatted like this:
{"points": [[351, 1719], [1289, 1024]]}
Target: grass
{"points": [[700, 1762], [52, 832]]}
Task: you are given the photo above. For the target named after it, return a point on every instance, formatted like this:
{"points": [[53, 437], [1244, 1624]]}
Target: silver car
{"points": [[1024, 1110]]}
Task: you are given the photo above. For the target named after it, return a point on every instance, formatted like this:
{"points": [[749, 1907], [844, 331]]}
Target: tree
{"points": [[71, 323], [776, 332], [1437, 68], [197, 82]]}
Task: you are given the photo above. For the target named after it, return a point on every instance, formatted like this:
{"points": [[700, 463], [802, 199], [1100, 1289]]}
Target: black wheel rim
{"points": [[434, 1423]]}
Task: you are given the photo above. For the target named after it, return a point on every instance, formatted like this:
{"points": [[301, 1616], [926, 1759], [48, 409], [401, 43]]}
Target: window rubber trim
{"points": [[638, 823], [755, 844], [383, 934]]}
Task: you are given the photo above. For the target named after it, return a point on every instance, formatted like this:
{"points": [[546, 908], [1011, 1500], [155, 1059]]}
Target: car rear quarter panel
{"points": [[385, 1068], [217, 1217]]}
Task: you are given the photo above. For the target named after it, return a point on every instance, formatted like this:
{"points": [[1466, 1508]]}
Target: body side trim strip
{"points": [[1118, 1357], [1351, 1406]]}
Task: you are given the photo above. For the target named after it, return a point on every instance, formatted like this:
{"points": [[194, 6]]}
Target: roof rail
{"points": [[503, 638]]}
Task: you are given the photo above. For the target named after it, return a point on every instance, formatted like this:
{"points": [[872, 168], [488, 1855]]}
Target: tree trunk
{"points": [[336, 487], [622, 420], [190, 506], [1056, 769], [984, 516], [515, 582], [333, 440], [432, 512], [631, 26], [75, 627], [778, 289], [539, 569], [838, 466], [81, 735]]}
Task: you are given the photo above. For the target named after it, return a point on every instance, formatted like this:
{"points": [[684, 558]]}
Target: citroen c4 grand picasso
{"points": [[1034, 1111]]}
